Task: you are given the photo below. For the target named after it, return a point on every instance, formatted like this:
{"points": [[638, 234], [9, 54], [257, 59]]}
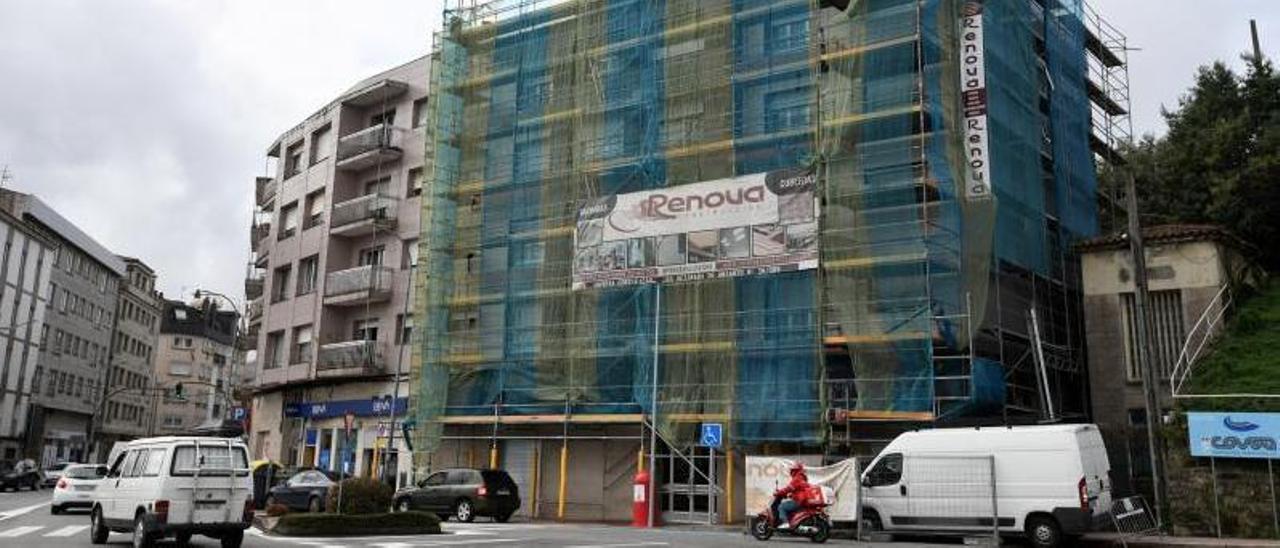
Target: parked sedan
{"points": [[16, 475], [52, 473], [306, 490], [464, 494], [77, 486]]}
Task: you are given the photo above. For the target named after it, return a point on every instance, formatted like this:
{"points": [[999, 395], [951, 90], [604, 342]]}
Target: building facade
{"points": [[127, 413], [73, 364], [26, 267], [329, 290], [1193, 271], [197, 350], [813, 226]]}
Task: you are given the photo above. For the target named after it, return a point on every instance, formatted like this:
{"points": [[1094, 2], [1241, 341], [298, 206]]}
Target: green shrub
{"points": [[326, 525], [361, 496], [277, 510]]}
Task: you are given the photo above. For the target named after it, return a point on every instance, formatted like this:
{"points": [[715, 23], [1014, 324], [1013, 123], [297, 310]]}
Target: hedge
{"points": [[361, 496], [327, 525]]}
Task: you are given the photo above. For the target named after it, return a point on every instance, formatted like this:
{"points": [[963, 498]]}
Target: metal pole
{"points": [[1217, 514], [1041, 370], [1143, 332], [995, 505], [1271, 481], [395, 391], [653, 406]]}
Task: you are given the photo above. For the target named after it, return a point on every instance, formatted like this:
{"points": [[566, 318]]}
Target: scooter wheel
{"points": [[761, 529], [823, 531]]}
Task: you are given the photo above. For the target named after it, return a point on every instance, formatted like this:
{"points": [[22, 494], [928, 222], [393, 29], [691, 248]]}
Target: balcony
{"points": [[257, 233], [368, 147], [377, 93], [253, 311], [358, 286], [363, 215], [350, 358], [265, 192], [253, 285]]}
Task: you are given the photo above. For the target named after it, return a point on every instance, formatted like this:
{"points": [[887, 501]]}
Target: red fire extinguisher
{"points": [[641, 500]]}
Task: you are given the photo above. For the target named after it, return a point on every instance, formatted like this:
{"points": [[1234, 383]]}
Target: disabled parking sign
{"points": [[712, 434]]}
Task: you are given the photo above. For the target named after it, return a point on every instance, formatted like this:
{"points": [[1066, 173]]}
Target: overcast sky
{"points": [[145, 122]]}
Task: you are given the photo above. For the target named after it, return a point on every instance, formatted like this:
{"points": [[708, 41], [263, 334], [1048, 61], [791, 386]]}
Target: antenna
{"points": [[5, 175]]}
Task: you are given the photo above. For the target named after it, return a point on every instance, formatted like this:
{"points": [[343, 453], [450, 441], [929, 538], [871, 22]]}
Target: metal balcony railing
{"points": [[360, 279], [253, 286], [257, 233], [367, 207], [381, 136], [253, 311], [364, 355]]}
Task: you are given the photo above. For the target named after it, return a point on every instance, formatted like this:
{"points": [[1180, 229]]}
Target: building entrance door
{"points": [[688, 487]]}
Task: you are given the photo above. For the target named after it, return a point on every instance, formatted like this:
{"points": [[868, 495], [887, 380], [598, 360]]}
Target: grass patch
{"points": [[1245, 359], [332, 525]]}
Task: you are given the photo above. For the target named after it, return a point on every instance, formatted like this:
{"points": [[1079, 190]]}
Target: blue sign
{"points": [[712, 434], [239, 414], [1234, 435], [338, 408]]}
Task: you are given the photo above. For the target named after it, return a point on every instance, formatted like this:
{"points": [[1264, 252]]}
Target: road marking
{"points": [[19, 511], [67, 531], [19, 531], [470, 542]]}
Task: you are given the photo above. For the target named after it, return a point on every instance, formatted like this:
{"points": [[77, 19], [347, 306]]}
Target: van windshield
{"points": [[210, 460]]}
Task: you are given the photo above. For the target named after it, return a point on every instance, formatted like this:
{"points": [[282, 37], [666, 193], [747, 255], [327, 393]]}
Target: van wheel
{"points": [[402, 505], [1043, 532], [183, 540], [313, 505], [141, 537], [55, 510], [464, 511], [233, 539], [871, 523], [97, 529]]}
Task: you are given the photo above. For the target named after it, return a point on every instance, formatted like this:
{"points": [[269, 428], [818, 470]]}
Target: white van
{"points": [[176, 487], [1050, 482]]}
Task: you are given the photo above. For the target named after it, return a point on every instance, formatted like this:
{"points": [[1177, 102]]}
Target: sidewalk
{"points": [[1112, 539]]}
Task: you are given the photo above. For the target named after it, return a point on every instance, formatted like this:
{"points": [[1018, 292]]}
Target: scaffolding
{"points": [[918, 308]]}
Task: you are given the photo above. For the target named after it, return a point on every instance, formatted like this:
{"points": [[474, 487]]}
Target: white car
{"points": [[176, 486], [1051, 483], [76, 486]]}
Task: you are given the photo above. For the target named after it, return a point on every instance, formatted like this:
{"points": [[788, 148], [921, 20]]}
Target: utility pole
{"points": [[1146, 363]]}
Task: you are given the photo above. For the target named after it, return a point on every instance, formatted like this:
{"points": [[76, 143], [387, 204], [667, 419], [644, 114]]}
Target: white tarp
{"points": [[764, 475]]}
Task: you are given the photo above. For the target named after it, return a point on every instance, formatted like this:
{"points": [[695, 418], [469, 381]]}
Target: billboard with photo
{"points": [[752, 224]]}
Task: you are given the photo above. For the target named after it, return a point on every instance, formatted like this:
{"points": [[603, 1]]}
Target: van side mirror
{"points": [[866, 482]]}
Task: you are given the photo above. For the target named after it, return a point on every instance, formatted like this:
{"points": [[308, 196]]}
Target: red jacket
{"points": [[798, 489]]}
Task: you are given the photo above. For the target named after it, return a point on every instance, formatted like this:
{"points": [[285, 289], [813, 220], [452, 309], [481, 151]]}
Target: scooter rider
{"points": [[795, 493]]}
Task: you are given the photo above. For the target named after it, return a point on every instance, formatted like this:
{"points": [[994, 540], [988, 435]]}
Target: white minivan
{"points": [[176, 487], [1050, 482]]}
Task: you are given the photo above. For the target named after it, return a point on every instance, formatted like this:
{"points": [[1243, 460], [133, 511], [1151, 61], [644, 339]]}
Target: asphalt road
{"points": [[25, 521]]}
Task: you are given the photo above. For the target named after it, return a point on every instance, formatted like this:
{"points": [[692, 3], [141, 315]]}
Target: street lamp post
{"points": [[235, 344]]}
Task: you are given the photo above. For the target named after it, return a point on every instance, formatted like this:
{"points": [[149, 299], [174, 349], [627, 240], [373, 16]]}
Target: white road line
{"points": [[469, 542], [19, 511], [19, 531], [67, 531]]}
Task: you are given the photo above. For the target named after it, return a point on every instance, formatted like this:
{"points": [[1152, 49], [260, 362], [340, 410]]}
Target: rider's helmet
{"points": [[797, 468]]}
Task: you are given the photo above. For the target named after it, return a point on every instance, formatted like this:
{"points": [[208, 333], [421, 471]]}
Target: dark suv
{"points": [[463, 493]]}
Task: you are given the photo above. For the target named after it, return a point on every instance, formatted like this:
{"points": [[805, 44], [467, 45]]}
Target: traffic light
{"points": [[178, 394]]}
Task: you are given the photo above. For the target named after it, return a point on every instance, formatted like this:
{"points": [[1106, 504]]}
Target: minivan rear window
{"points": [[497, 479], [212, 460]]}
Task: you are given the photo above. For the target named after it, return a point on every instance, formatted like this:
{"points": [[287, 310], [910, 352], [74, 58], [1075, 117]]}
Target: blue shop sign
{"points": [[338, 408], [1234, 435]]}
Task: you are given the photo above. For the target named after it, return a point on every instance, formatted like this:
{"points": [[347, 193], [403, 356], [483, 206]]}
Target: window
{"points": [[130, 460], [415, 183], [180, 369], [275, 350], [435, 479], [888, 471], [301, 345], [315, 209], [409, 254], [381, 186], [213, 460], [371, 256], [308, 270], [387, 117], [280, 284], [1167, 331], [321, 143], [288, 221], [420, 112], [404, 328], [293, 160], [365, 330], [155, 462]]}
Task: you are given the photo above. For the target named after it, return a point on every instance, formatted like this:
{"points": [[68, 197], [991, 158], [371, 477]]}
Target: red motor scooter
{"points": [[809, 521]]}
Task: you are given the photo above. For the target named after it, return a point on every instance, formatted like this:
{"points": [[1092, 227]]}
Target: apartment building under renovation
{"points": [[812, 223]]}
